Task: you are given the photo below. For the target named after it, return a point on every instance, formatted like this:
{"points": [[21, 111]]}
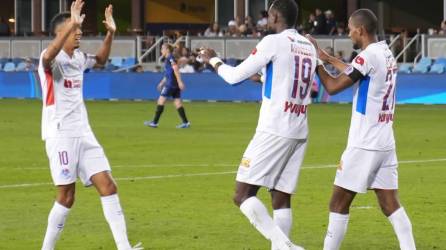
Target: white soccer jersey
{"points": [[374, 99], [64, 113], [289, 61]]}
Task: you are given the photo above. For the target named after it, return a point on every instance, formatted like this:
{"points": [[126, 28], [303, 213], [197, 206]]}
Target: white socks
{"points": [[56, 222], [284, 219], [403, 229], [258, 215], [337, 226], [115, 218]]}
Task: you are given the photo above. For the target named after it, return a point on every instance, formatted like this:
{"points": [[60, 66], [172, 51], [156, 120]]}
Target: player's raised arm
{"points": [[104, 50], [62, 33], [259, 58]]}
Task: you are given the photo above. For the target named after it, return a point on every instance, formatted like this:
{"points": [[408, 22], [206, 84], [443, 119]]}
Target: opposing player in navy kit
{"points": [[170, 86], [274, 156], [369, 161]]}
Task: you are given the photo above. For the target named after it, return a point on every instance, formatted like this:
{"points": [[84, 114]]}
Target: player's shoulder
{"points": [[270, 39]]}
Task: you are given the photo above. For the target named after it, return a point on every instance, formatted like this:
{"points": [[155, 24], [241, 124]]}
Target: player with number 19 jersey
{"points": [[274, 155]]}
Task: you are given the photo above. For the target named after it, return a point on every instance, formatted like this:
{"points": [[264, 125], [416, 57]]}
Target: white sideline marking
{"points": [[151, 177], [313, 166]]}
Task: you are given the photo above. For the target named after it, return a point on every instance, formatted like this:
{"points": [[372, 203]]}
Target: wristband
{"points": [[214, 61]]}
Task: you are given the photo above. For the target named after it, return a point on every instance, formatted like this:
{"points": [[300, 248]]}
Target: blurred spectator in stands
{"points": [[185, 52], [138, 69], [185, 67], [4, 27], [340, 55], [330, 68], [310, 25], [213, 31], [263, 19], [239, 21], [29, 65], [232, 29], [243, 30], [330, 23], [442, 28], [320, 23], [340, 29], [249, 23], [432, 32]]}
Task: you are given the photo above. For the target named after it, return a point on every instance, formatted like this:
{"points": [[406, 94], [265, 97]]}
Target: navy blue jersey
{"points": [[171, 79]]}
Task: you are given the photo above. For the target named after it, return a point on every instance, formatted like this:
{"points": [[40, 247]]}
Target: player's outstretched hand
{"points": [[322, 54], [109, 22], [206, 54], [76, 8]]}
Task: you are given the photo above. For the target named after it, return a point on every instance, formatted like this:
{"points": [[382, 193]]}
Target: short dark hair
{"points": [[366, 18], [58, 19], [288, 10]]}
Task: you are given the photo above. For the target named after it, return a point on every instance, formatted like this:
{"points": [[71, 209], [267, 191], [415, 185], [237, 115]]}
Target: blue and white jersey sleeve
{"points": [[259, 58]]}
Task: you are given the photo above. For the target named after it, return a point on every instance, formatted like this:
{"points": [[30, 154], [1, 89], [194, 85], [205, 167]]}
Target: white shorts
{"points": [[272, 161], [362, 169], [72, 157]]}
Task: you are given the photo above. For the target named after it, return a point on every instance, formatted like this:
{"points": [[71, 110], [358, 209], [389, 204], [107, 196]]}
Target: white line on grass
{"points": [[225, 165], [151, 177]]}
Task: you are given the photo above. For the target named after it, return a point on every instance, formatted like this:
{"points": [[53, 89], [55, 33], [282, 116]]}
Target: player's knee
{"points": [[109, 189], [388, 208], [66, 199], [339, 207], [239, 198]]}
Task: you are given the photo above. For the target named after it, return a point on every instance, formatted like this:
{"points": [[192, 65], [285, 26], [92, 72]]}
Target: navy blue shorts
{"points": [[171, 92]]}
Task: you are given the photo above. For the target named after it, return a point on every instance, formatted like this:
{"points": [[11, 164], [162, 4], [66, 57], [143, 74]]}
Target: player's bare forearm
{"points": [[333, 85], [104, 51], [57, 44]]}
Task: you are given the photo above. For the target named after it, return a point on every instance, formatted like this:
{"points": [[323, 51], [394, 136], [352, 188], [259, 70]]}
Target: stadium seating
{"points": [[405, 68], [117, 61], [9, 67], [21, 66], [439, 66], [129, 61], [423, 65]]}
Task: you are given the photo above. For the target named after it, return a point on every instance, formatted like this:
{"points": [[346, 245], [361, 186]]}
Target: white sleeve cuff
{"points": [[214, 60]]}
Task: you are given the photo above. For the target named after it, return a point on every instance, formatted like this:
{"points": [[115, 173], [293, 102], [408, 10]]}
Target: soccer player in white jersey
{"points": [[369, 161], [275, 154], [71, 146]]}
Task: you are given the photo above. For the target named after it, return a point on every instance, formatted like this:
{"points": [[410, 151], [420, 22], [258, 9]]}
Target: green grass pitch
{"points": [[176, 185]]}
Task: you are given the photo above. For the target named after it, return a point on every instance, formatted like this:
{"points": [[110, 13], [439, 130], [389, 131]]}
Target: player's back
{"points": [[374, 99], [288, 79], [171, 80], [64, 112]]}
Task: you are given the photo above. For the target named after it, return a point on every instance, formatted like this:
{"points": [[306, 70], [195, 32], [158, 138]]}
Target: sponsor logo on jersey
{"points": [[66, 173], [385, 118], [359, 60], [340, 165], [294, 108], [245, 162]]}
